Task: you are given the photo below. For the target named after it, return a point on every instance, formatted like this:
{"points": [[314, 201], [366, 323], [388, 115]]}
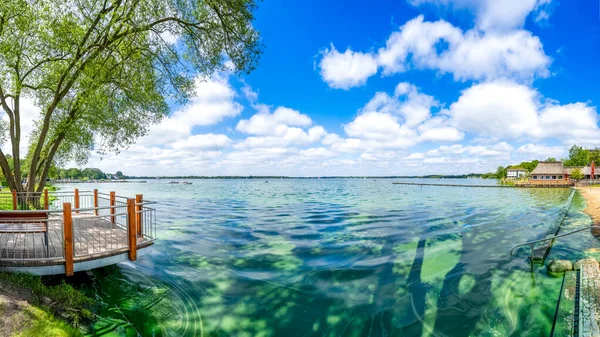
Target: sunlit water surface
{"points": [[338, 257]]}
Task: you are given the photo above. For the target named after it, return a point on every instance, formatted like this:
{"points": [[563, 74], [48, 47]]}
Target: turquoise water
{"points": [[338, 257]]}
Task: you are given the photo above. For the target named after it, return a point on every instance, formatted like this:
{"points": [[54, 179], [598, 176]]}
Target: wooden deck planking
{"points": [[96, 236], [92, 235]]}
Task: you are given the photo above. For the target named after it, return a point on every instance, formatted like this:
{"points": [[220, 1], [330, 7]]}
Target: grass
{"points": [[6, 200], [48, 303], [40, 323]]}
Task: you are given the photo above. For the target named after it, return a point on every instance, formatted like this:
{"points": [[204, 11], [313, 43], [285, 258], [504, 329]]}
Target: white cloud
{"points": [[288, 136], [440, 46], [518, 54], [377, 126], [570, 121], [340, 144], [438, 129], [507, 110], [495, 14], [266, 123], [503, 109], [260, 156], [501, 149], [320, 152], [413, 106], [348, 69], [542, 151], [397, 121], [207, 141], [283, 127], [213, 102], [471, 55], [250, 94], [459, 158], [416, 39]]}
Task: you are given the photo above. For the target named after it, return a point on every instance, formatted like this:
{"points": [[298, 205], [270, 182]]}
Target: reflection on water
{"points": [[338, 258]]}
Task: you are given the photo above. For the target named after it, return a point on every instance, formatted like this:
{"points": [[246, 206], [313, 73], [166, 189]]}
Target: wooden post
{"points": [[96, 201], [76, 200], [14, 197], [68, 233], [112, 209], [138, 213], [46, 201], [131, 229]]}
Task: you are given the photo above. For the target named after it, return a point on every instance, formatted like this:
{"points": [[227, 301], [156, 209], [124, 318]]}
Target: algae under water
{"points": [[338, 257]]}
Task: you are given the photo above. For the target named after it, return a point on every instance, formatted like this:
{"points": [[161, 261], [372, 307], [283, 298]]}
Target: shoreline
{"points": [[36, 306], [591, 197]]}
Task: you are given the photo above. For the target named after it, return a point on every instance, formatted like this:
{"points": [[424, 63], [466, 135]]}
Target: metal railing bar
{"points": [[98, 216], [550, 238], [146, 202], [93, 233], [65, 191], [95, 208]]}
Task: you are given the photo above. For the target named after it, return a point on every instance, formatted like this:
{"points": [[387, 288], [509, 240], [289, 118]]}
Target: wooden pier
{"points": [[517, 185], [452, 185], [101, 229]]}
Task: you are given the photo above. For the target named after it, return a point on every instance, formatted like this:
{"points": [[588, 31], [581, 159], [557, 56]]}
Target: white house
{"points": [[515, 172]]}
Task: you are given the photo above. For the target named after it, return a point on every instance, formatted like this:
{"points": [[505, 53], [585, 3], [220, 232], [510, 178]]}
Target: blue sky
{"points": [[390, 88]]}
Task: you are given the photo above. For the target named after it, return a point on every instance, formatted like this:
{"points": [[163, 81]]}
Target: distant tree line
{"points": [[85, 174], [459, 176], [578, 156], [501, 171]]}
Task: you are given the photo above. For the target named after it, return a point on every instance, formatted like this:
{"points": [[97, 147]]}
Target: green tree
{"points": [[63, 173], [578, 156], [93, 173], [101, 71], [576, 174], [501, 172], [74, 173], [594, 156], [529, 166], [119, 175], [53, 172]]}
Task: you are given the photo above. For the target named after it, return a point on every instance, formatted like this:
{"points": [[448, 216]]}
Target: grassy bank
{"points": [[32, 307]]}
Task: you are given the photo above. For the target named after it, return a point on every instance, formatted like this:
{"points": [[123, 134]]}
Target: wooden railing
{"points": [[84, 225]]}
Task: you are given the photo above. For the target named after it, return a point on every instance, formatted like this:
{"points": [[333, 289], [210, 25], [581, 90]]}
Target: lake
{"points": [[338, 257]]}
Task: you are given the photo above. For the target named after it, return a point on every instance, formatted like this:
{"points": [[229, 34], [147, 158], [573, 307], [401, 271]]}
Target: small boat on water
{"points": [[173, 182], [185, 183]]}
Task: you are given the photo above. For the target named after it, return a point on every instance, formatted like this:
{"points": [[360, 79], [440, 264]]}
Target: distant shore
{"points": [[77, 181], [471, 176]]}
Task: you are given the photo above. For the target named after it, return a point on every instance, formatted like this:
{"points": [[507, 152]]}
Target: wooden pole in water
{"points": [[14, 199], [46, 201], [131, 229], [96, 201], [138, 213], [68, 239], [76, 200], [112, 209]]}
